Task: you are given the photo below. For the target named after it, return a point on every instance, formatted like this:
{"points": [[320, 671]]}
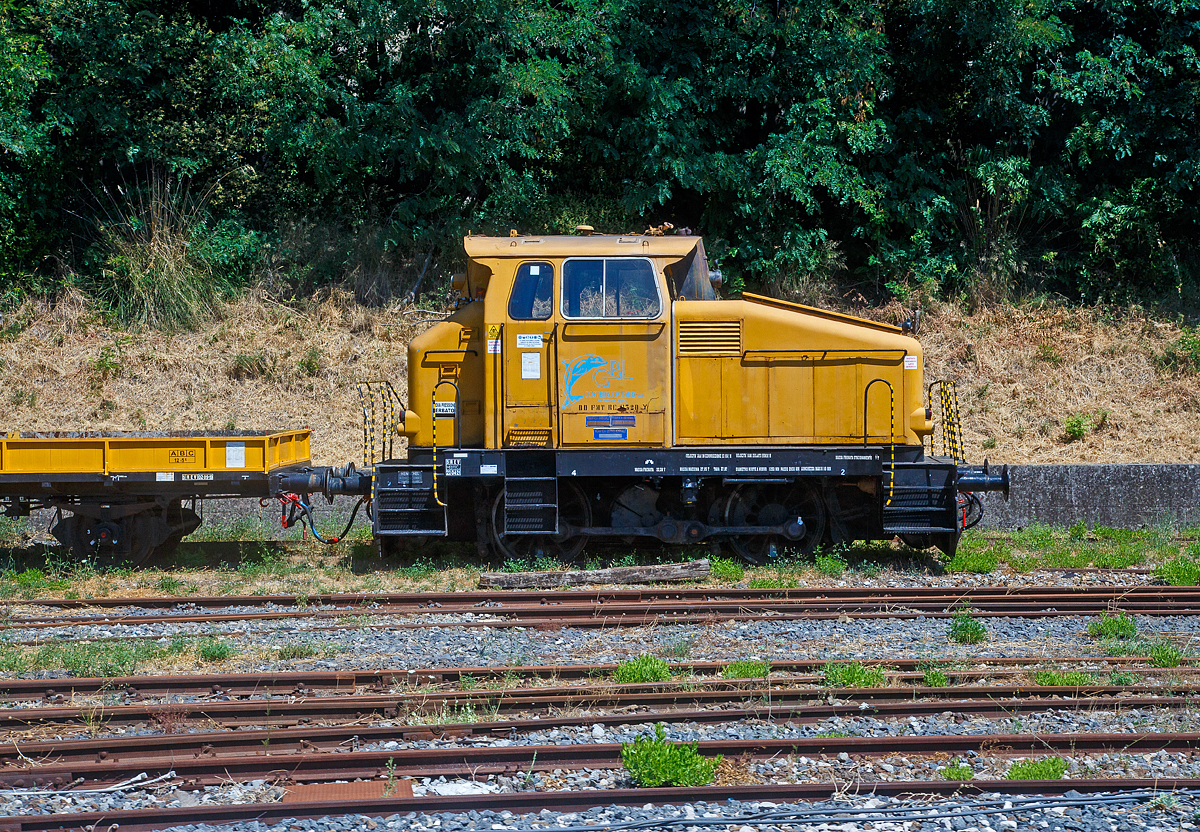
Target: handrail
{"points": [[952, 444], [433, 420], [891, 430], [822, 352], [392, 409]]}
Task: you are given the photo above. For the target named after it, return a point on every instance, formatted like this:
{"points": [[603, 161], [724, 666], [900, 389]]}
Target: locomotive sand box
{"points": [[587, 387]]}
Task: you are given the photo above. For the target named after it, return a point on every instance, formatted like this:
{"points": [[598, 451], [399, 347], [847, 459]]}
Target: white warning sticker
{"points": [[910, 362], [486, 468], [493, 345], [235, 454], [528, 341], [443, 408], [165, 476], [531, 365]]}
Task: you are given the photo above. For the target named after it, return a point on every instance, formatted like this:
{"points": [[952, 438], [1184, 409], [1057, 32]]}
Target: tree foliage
{"points": [[934, 145]]}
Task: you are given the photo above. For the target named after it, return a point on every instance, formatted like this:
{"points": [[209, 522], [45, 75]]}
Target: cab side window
{"points": [[610, 288], [530, 298]]}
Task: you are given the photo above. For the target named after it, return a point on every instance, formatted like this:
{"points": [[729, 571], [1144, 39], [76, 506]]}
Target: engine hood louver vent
{"points": [[724, 337]]}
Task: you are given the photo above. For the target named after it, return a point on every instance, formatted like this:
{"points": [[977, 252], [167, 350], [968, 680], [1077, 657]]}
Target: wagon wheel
{"points": [[79, 533], [573, 510], [755, 504]]}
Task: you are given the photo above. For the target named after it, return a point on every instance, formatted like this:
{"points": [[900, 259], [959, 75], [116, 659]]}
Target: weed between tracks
{"points": [[111, 658]]}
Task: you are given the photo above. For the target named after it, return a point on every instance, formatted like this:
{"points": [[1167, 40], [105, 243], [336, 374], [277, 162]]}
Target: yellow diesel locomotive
{"points": [[594, 388]]}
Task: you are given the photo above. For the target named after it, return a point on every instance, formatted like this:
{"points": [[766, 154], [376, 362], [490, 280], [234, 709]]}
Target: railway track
{"points": [[125, 753], [309, 683], [320, 727], [591, 609], [148, 820]]}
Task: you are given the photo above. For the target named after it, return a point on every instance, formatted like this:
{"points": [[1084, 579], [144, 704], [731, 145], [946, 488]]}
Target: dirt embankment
{"points": [[1022, 374]]}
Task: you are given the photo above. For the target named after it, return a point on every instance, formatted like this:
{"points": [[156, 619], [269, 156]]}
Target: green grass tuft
{"points": [[933, 676], [645, 668], [976, 562], [852, 675], [1067, 678], [1047, 768], [1120, 625], [654, 762], [772, 583], [958, 771], [965, 629], [1183, 570], [289, 652], [1165, 654], [746, 669], [212, 650], [1123, 678], [831, 565], [726, 569]]}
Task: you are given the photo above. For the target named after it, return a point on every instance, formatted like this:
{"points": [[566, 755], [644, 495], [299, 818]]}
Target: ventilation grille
{"points": [[709, 337], [529, 437]]}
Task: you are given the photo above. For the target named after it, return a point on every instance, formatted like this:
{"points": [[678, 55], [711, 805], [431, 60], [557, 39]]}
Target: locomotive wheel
{"points": [[754, 504], [573, 509]]}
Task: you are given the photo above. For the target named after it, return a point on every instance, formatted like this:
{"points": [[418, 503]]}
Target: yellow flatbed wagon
{"points": [[125, 491]]}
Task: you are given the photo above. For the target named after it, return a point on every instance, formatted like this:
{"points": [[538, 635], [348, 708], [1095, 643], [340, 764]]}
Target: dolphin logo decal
{"points": [[576, 370]]}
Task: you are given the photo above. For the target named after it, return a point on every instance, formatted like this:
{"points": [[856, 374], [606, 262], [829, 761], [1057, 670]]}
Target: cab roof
{"points": [[594, 245]]}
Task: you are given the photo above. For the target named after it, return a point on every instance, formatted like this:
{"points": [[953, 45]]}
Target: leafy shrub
{"points": [[216, 651], [654, 762], [726, 569], [1047, 768], [644, 668], [310, 363], [978, 562], [746, 669], [831, 565], [1165, 654], [852, 675], [1076, 426], [1184, 354], [1120, 625], [965, 629], [958, 771], [1183, 570], [1068, 678]]}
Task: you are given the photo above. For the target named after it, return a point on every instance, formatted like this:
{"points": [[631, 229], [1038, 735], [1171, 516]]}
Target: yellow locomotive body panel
{"points": [[593, 341], [131, 453]]}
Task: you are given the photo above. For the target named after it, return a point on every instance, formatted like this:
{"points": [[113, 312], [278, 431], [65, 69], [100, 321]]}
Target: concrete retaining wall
{"points": [[1120, 496]]}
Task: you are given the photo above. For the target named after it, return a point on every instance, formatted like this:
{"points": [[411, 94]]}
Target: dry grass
{"points": [[296, 368], [1021, 371]]}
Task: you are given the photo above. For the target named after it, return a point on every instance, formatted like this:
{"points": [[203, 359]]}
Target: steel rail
{"points": [[310, 766], [697, 612], [300, 710], [422, 600], [302, 683], [148, 749], [149, 820]]}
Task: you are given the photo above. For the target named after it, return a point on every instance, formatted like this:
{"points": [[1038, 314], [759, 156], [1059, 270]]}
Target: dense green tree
{"points": [[933, 145]]}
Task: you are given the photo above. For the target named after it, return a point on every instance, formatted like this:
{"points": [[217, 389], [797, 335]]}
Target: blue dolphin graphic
{"points": [[576, 370]]}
